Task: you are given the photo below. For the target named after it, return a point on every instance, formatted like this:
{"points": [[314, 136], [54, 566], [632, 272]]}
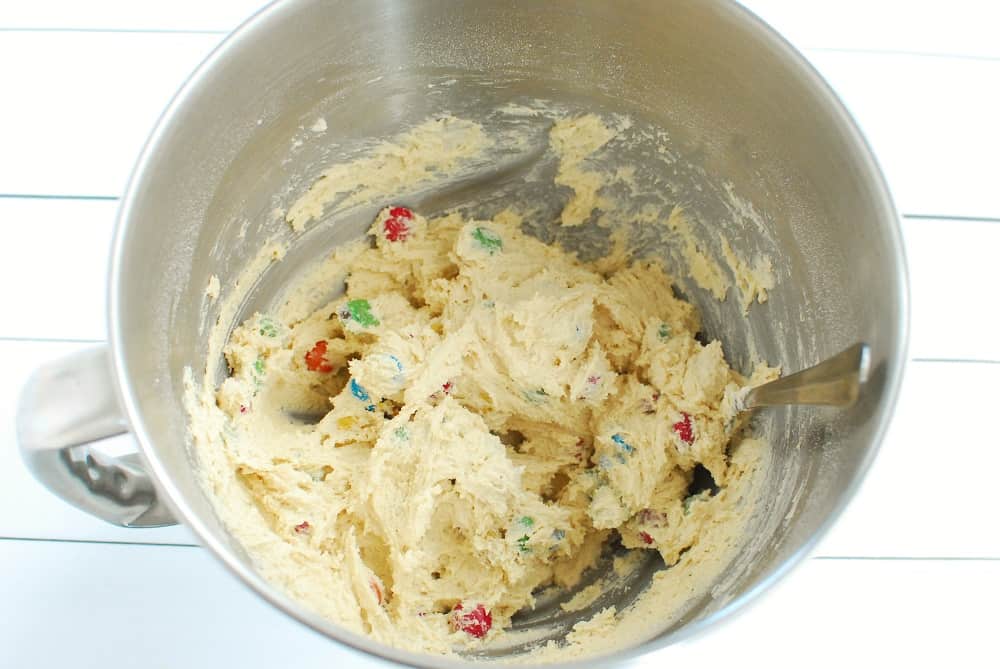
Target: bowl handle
{"points": [[65, 407]]}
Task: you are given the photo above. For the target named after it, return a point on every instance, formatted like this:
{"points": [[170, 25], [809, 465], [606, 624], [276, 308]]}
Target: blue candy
{"points": [[622, 444], [361, 394]]}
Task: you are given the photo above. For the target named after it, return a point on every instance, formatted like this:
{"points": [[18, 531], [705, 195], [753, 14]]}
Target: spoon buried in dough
{"points": [[836, 381]]}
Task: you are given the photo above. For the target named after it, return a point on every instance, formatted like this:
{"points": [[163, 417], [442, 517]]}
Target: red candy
{"points": [[446, 388], [316, 358], [646, 538], [396, 229], [303, 527], [684, 429], [476, 622]]}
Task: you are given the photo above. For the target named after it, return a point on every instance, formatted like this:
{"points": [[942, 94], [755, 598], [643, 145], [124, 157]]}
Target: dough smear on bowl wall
{"points": [[489, 417]]}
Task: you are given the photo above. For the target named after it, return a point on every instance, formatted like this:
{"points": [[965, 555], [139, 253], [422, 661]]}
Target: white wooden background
{"points": [[910, 575]]}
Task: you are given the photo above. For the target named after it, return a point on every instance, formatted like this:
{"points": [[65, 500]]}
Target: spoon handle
{"points": [[834, 382]]}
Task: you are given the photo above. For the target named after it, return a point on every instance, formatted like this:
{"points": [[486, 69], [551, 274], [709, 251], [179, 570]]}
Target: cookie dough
{"points": [[470, 421]]}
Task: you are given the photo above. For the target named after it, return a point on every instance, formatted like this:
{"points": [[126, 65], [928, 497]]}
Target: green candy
{"points": [[489, 240], [664, 332], [538, 396], [689, 500], [522, 544], [361, 311], [268, 328], [527, 521], [258, 374]]}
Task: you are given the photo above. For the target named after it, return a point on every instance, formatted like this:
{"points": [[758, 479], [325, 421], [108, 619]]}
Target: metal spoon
{"points": [[834, 382]]}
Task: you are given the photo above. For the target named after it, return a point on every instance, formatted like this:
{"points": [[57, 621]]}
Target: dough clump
{"points": [[490, 412]]}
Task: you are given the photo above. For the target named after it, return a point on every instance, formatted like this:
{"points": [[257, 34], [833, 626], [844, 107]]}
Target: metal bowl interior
{"points": [[762, 153]]}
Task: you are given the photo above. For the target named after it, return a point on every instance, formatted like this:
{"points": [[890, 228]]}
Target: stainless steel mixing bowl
{"points": [[763, 152]]}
